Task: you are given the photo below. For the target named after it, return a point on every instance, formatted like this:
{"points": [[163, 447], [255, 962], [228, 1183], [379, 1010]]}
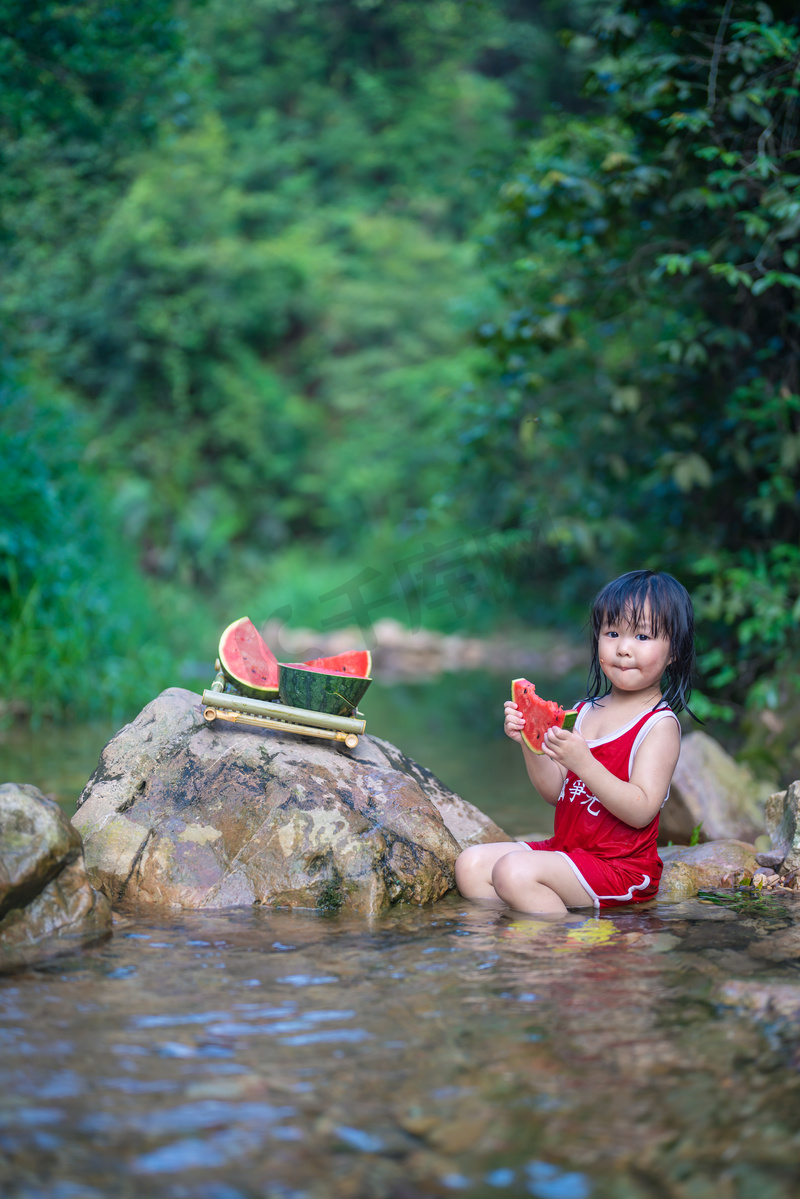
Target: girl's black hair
{"points": [[671, 615]]}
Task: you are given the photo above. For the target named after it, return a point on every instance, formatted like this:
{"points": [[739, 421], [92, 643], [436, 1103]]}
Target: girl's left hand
{"points": [[568, 748]]}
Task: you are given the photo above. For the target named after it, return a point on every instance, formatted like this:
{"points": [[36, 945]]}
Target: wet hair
{"points": [[670, 615]]}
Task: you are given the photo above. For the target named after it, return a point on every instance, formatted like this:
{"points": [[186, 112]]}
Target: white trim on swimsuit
{"points": [[658, 713]]}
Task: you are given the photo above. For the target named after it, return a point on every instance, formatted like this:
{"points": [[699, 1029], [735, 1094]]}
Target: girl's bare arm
{"points": [[638, 801], [546, 774]]}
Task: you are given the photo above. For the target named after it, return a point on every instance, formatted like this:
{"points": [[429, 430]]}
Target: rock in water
{"points": [[691, 868], [783, 826], [47, 905], [711, 788], [188, 815]]}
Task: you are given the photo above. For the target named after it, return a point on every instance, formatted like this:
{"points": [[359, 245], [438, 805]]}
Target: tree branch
{"points": [[715, 57]]}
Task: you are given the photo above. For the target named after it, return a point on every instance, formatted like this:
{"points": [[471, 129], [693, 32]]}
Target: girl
{"points": [[610, 776]]}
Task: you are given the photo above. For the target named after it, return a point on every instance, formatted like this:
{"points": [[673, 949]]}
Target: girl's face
{"points": [[631, 658]]}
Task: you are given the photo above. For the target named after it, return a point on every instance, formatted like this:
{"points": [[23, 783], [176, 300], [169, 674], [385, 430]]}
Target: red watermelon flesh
{"points": [[342, 674], [248, 661], [540, 714], [356, 662]]}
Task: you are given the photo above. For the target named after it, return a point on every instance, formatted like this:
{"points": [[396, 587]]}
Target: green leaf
{"points": [[775, 277]]}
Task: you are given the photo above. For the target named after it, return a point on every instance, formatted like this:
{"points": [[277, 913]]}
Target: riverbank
{"points": [[399, 653]]}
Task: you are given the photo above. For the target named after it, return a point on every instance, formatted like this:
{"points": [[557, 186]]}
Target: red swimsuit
{"points": [[616, 863]]}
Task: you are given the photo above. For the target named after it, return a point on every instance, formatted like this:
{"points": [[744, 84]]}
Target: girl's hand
{"points": [[514, 721], [568, 749]]}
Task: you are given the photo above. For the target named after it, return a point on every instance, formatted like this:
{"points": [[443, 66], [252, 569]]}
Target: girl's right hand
{"points": [[514, 721]]}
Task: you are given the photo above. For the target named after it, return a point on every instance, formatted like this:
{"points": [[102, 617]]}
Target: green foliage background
{"points": [[295, 293], [649, 337]]}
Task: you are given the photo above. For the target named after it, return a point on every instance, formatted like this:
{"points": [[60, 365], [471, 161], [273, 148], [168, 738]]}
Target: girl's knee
{"points": [[468, 863], [511, 870]]}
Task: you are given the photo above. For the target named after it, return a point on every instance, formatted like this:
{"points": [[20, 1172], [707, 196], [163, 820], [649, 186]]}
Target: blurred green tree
{"points": [[85, 69], [76, 621], [647, 332], [81, 86], [261, 307]]}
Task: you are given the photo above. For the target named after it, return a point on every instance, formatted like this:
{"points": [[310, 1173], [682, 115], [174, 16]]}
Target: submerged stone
{"points": [[762, 999], [782, 946], [188, 815], [47, 905]]}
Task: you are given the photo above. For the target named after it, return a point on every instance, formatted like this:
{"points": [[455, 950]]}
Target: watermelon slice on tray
{"points": [[355, 662], [540, 714], [247, 661], [318, 690]]}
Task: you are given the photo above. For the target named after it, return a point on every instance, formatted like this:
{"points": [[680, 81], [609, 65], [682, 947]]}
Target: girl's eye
{"points": [[642, 637]]}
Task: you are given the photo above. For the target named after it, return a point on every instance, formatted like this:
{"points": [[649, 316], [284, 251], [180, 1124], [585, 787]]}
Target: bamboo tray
{"points": [[259, 712]]}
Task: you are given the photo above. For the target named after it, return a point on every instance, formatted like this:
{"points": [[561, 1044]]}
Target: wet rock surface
{"points": [[689, 869], [710, 788], [783, 825], [47, 905], [187, 815]]}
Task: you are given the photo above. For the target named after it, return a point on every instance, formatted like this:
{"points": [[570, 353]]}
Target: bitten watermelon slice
{"points": [[248, 661], [356, 662], [540, 714]]}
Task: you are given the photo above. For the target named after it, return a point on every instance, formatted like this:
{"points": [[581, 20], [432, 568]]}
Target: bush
{"points": [[82, 632]]}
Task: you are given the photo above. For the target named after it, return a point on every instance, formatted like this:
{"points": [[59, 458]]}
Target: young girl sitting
{"points": [[610, 776]]}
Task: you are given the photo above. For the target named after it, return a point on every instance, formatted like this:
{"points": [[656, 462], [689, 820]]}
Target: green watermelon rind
{"points": [[570, 715], [315, 690]]}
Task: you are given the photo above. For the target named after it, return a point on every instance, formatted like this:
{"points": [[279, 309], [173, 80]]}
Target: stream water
{"points": [[429, 1052], [268, 1054]]}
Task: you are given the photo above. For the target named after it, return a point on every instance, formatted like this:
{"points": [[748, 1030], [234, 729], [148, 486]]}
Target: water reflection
{"points": [[433, 1051]]}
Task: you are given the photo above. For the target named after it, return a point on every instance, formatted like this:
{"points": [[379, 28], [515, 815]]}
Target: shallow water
{"points": [[449, 1050]]}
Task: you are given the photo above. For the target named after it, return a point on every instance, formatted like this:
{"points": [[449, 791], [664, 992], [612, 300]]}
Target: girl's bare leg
{"points": [[538, 881], [474, 868], [528, 880]]}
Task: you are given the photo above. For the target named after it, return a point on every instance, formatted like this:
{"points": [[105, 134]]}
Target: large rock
{"points": [[47, 905], [189, 815], [711, 788], [689, 869], [783, 826]]}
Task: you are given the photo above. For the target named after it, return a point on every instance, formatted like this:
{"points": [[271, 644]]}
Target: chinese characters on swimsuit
{"points": [[609, 777]]}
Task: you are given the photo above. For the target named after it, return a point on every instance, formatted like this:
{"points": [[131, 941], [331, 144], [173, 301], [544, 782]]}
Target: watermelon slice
{"points": [[334, 691], [248, 661], [355, 662], [540, 714]]}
